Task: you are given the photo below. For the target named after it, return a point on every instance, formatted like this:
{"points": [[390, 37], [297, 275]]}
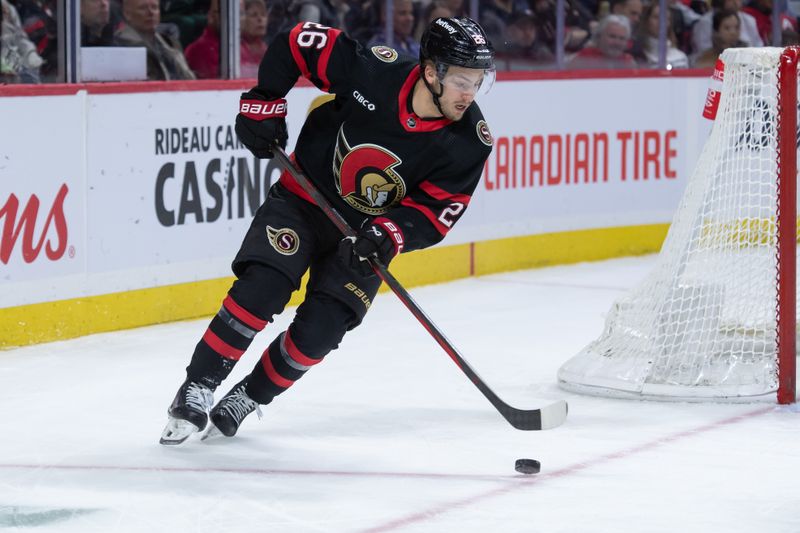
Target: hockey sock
{"points": [[261, 290], [317, 329], [280, 366], [228, 336]]}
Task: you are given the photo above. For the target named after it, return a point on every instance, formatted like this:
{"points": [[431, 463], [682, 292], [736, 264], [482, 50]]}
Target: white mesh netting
{"points": [[703, 323]]}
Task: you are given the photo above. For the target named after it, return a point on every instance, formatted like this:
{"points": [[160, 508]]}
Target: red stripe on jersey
{"points": [[430, 215], [440, 194], [296, 55], [243, 315], [324, 57], [221, 347], [295, 353], [272, 374], [409, 117]]}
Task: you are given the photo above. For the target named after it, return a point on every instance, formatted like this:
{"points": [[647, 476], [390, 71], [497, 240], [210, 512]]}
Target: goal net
{"points": [[716, 318]]}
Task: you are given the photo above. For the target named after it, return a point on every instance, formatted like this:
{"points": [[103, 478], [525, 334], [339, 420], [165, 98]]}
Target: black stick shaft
{"points": [[520, 419]]}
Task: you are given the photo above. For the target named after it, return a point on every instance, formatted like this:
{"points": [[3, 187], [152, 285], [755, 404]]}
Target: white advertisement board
{"points": [[153, 188], [171, 190], [42, 198], [585, 154]]}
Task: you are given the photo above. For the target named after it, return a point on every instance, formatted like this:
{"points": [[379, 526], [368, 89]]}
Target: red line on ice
{"points": [[445, 507]]}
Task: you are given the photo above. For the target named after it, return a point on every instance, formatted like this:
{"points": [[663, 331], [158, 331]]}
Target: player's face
{"points": [[460, 85]]}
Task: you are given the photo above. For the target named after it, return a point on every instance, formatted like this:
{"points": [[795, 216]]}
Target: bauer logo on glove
{"points": [[261, 123], [260, 110], [380, 239]]}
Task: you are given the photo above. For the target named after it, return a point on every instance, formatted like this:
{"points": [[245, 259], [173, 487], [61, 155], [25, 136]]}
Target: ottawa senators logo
{"points": [[365, 176], [384, 53], [483, 132], [284, 240]]}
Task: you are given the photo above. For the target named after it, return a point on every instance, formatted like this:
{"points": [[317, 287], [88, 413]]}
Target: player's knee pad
{"points": [[320, 324], [262, 290]]}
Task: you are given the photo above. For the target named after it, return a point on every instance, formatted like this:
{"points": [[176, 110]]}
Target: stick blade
{"points": [[554, 415], [548, 417]]}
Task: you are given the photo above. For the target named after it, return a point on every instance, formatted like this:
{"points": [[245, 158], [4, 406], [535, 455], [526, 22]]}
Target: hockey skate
{"points": [[228, 414], [187, 413]]}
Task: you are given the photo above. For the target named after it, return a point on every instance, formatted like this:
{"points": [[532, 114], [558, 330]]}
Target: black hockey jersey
{"points": [[366, 150]]}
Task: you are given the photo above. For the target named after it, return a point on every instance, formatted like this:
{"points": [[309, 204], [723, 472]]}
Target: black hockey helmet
{"points": [[458, 41]]}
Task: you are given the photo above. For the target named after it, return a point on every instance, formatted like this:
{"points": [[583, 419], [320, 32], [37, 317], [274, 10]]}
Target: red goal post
{"points": [[716, 320]]}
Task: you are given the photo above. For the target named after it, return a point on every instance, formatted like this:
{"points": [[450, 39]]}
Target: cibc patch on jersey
{"points": [[365, 176], [384, 53], [284, 240]]}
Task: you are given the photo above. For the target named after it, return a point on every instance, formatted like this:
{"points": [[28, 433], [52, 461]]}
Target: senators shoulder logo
{"points": [[483, 132], [284, 240], [366, 177], [384, 53]]}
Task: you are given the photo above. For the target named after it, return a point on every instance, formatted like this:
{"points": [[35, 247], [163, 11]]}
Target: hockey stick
{"points": [[548, 417]]}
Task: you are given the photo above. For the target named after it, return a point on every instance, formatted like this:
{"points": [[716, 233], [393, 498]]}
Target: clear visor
{"points": [[468, 80]]}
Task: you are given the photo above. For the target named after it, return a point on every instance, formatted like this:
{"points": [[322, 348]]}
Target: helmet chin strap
{"points": [[433, 93]]}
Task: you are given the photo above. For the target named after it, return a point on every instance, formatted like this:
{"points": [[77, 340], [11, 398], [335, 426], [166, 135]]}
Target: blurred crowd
{"points": [[182, 37]]}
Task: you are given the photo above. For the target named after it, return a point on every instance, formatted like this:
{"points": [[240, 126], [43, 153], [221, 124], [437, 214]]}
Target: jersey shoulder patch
{"points": [[384, 53], [482, 129]]}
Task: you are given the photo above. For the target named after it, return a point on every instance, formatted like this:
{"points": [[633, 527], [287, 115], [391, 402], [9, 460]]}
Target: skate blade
{"points": [[211, 433], [177, 431]]}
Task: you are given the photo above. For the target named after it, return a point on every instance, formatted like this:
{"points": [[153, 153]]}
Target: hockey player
{"points": [[398, 153]]}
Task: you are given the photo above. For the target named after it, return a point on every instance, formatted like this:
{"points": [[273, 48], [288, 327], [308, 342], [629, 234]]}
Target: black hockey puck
{"points": [[527, 466]]}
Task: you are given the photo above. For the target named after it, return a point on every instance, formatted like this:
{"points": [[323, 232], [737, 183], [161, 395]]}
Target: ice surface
{"points": [[387, 434]]}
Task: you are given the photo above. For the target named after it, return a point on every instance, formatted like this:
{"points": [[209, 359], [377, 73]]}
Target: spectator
{"points": [[203, 54], [188, 17], [362, 19], [403, 21], [790, 38], [277, 13], [682, 19], [607, 47], [522, 49], [19, 61], [165, 60], [725, 35], [39, 22], [761, 11], [645, 42], [496, 14], [701, 31], [96, 27], [576, 24], [285, 14], [631, 9], [459, 8], [254, 30], [435, 9], [319, 11]]}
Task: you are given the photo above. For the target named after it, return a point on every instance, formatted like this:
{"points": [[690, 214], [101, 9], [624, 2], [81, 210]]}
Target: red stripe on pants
{"points": [[295, 353], [272, 374], [221, 347], [243, 314]]}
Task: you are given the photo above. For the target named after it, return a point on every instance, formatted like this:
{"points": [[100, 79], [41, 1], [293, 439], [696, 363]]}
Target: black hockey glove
{"points": [[261, 123], [380, 238]]}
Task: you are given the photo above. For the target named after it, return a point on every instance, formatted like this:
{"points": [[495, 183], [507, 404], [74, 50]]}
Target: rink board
{"points": [[133, 214]]}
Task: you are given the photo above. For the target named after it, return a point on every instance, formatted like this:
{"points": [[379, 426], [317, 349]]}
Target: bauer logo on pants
{"points": [[284, 240]]}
